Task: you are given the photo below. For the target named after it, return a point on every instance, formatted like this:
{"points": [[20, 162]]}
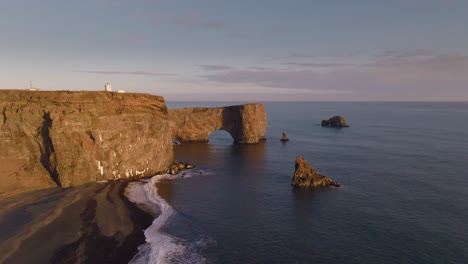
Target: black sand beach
{"points": [[93, 223]]}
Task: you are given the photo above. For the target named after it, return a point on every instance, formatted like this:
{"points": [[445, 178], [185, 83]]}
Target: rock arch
{"points": [[245, 123], [220, 137]]}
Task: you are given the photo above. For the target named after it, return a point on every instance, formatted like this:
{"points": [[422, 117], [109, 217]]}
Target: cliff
{"points": [[246, 123], [65, 138]]}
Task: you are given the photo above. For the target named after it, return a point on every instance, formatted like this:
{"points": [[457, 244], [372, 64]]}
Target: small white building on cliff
{"points": [[107, 87]]}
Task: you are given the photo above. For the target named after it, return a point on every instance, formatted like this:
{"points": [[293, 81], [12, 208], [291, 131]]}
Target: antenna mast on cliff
{"points": [[31, 88]]}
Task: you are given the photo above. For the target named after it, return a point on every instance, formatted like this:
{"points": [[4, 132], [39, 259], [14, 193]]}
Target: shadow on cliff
{"points": [[232, 122], [48, 159]]}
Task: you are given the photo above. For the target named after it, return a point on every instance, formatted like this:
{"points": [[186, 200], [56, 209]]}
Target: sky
{"points": [[257, 50]]}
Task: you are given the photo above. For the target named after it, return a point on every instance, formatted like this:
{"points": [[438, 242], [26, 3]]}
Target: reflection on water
{"points": [[243, 160], [166, 189], [234, 155]]}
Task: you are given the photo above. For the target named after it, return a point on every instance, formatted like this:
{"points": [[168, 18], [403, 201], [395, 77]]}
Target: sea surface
{"points": [[403, 168]]}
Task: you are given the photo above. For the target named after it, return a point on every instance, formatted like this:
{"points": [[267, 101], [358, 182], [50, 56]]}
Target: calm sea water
{"points": [[403, 168]]}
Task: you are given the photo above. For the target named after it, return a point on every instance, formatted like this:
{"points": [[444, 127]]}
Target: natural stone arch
{"points": [[245, 123], [220, 136]]}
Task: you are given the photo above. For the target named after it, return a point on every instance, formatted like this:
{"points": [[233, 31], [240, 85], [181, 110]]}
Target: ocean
{"points": [[403, 170]]}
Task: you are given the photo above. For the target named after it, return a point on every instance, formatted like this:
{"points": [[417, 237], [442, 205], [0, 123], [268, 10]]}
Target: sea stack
{"points": [[284, 138], [305, 176], [336, 121], [245, 123]]}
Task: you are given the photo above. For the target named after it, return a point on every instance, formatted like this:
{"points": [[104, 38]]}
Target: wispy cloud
{"points": [[318, 65], [414, 53], [452, 62], [299, 55], [128, 73], [260, 68], [412, 77], [215, 67], [198, 22]]}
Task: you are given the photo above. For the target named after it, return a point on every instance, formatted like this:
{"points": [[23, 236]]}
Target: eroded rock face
{"points": [[246, 123], [336, 121], [63, 138], [306, 176]]}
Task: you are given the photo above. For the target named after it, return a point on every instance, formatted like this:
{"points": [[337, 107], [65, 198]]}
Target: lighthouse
{"points": [[107, 87]]}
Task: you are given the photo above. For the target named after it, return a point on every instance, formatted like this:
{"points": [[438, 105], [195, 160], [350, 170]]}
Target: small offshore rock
{"points": [[306, 176], [284, 138], [189, 166], [336, 121], [181, 166], [173, 169], [177, 167]]}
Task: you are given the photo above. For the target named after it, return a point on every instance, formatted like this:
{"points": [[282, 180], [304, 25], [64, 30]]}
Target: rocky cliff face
{"points": [[66, 138], [246, 123]]}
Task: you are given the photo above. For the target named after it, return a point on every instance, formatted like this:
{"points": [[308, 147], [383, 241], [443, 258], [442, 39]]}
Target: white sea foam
{"points": [[161, 247]]}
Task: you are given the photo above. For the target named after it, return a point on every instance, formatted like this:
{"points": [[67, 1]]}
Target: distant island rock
{"points": [[284, 138], [336, 121], [306, 176]]}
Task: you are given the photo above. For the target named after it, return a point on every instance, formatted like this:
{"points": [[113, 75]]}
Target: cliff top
{"points": [[83, 97]]}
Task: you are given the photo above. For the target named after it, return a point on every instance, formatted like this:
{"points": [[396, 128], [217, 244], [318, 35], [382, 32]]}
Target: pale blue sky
{"points": [[385, 50]]}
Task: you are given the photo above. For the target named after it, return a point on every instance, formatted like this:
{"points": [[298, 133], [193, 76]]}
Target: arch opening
{"points": [[220, 137]]}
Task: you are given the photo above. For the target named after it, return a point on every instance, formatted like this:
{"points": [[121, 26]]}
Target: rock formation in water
{"points": [[284, 138], [306, 176], [177, 167], [336, 121], [64, 138], [246, 123]]}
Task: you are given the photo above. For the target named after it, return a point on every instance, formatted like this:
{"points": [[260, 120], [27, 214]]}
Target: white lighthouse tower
{"points": [[107, 87]]}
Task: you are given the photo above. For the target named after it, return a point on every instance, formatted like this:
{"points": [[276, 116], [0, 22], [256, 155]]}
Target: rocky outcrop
{"points": [[284, 138], [336, 121], [67, 138], [246, 123], [306, 176], [177, 167]]}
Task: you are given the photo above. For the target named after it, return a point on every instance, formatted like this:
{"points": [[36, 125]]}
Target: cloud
{"points": [[260, 68], [197, 22], [405, 53], [318, 65], [267, 78], [128, 73], [430, 77], [297, 55], [452, 62], [215, 67]]}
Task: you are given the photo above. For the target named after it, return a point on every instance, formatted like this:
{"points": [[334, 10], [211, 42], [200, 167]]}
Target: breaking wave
{"points": [[161, 247]]}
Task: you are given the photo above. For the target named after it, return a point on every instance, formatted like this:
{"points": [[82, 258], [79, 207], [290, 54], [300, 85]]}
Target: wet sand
{"points": [[93, 223]]}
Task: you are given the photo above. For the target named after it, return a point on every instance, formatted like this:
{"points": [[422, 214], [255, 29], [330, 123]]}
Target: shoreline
{"points": [[94, 223]]}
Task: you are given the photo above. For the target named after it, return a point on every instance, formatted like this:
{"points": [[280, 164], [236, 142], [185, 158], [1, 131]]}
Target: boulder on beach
{"points": [[189, 166], [177, 167], [336, 121], [284, 138], [306, 176]]}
